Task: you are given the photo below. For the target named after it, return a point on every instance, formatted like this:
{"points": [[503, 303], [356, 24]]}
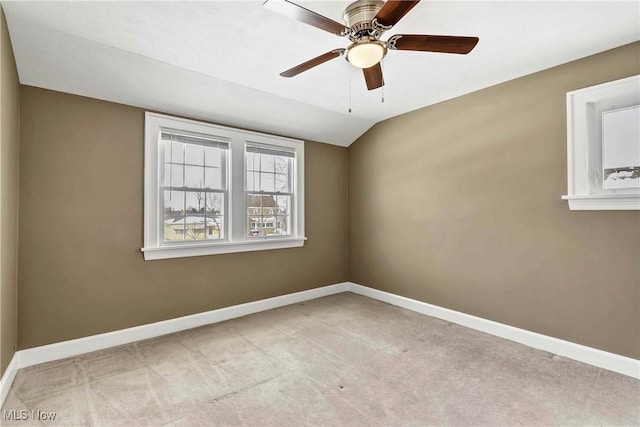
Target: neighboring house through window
{"points": [[212, 189], [194, 187], [268, 191]]}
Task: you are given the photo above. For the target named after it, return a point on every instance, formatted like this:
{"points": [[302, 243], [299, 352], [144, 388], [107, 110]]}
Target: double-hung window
{"points": [[213, 189], [268, 190], [193, 187]]}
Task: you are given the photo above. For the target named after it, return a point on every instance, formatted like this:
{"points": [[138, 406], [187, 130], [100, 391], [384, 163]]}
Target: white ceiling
{"points": [[220, 61]]}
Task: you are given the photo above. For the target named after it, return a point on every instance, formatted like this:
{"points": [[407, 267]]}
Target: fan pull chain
{"points": [[383, 94], [349, 95]]}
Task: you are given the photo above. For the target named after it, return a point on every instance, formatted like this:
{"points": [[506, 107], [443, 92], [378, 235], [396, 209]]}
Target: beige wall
{"points": [[81, 229], [458, 205], [9, 150]]}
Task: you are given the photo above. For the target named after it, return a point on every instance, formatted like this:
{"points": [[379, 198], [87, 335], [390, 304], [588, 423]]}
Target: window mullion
{"points": [[204, 190], [161, 162], [290, 214], [236, 185], [184, 215], [228, 202]]}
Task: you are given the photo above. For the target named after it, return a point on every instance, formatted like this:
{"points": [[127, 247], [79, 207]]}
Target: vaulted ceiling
{"points": [[220, 61]]}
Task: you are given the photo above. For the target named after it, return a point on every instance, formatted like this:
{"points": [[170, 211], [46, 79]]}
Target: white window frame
{"points": [[291, 193], [237, 239], [584, 145]]}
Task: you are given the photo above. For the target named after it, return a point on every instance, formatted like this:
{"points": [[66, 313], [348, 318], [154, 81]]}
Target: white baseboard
{"points": [[61, 350], [592, 356], [8, 376]]}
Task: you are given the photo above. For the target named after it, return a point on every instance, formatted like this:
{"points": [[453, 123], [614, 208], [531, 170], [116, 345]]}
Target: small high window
{"points": [[603, 146]]}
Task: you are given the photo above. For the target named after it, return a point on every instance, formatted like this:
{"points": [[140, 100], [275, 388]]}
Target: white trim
{"points": [[584, 145], [61, 350], [7, 378], [48, 353], [182, 251], [236, 239], [622, 202], [64, 349], [592, 356]]}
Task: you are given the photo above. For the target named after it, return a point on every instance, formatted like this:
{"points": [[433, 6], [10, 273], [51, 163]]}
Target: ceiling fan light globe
{"points": [[366, 55]]}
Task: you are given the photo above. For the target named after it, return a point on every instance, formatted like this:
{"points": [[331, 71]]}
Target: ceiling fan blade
{"points": [[373, 77], [424, 43], [393, 11], [292, 10], [312, 63]]}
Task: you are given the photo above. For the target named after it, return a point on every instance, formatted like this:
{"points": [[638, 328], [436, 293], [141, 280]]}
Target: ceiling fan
{"points": [[364, 23]]}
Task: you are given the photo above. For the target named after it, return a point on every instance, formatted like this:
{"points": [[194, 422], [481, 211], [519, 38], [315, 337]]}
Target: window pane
{"points": [[282, 164], [215, 228], [194, 176], [253, 181], [268, 225], [214, 211], [195, 202], [173, 175], [194, 218], [283, 225], [194, 227], [268, 205], [202, 219], [173, 202], [177, 153], [254, 226], [193, 215], [214, 204], [282, 183], [254, 201], [173, 217], [266, 162], [267, 172], [250, 159], [211, 156], [194, 181], [213, 178], [284, 205], [194, 154], [261, 214], [248, 181], [267, 181], [166, 149]]}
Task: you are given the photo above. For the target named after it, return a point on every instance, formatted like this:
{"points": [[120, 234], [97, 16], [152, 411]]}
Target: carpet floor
{"points": [[341, 360]]}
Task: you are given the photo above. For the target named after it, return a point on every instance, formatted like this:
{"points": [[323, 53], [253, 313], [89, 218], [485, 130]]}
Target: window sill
{"points": [[183, 251], [604, 202]]}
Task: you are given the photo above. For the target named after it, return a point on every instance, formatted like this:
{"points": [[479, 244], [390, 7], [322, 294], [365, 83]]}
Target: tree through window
{"points": [[213, 189], [194, 190], [268, 190]]}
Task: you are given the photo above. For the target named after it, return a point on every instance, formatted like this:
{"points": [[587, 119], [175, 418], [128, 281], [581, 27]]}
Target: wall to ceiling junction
{"points": [[458, 205]]}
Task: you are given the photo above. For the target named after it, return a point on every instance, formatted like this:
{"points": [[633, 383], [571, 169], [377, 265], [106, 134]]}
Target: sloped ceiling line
{"points": [[220, 61]]}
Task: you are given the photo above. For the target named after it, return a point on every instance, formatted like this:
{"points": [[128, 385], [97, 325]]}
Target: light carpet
{"points": [[341, 360]]}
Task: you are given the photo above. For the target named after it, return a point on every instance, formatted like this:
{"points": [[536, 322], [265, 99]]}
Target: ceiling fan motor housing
{"points": [[364, 23], [358, 16]]}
